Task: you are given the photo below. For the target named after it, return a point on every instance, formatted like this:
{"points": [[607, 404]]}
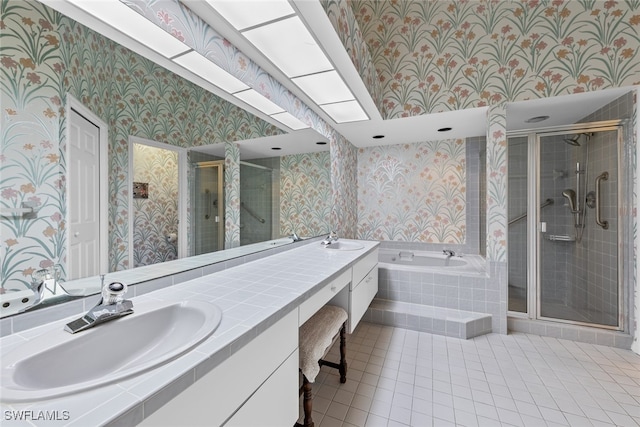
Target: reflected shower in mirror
{"points": [[284, 188]]}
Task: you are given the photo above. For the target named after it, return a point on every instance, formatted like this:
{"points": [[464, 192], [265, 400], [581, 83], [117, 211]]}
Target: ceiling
{"points": [[562, 110]]}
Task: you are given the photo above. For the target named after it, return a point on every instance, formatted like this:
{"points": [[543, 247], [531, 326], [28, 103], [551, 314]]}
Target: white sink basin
{"points": [[345, 245], [58, 363]]}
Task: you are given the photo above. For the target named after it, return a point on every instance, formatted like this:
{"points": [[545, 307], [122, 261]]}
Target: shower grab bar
{"points": [[252, 213], [524, 215], [559, 238], [602, 177], [207, 202]]}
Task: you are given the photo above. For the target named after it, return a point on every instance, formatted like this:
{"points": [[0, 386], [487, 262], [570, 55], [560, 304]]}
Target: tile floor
{"points": [[398, 377]]}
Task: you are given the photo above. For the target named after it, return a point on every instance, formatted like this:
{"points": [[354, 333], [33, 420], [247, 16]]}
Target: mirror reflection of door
{"points": [[207, 200], [155, 208], [87, 197]]}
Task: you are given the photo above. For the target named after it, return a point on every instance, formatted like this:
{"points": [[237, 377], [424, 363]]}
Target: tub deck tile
{"points": [[427, 318]]}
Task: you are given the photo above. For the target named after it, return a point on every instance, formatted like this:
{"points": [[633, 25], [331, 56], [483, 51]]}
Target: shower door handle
{"points": [[602, 177], [207, 203]]}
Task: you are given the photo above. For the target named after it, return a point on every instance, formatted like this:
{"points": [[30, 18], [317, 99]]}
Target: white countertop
{"points": [[252, 297]]}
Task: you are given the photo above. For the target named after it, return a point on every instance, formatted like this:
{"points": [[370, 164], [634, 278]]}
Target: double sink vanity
{"points": [[218, 350]]}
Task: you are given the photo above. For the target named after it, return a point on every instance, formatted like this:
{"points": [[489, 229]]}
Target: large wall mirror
{"points": [[280, 192], [284, 188]]}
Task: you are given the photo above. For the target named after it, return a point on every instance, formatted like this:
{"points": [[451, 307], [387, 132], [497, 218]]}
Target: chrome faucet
{"points": [[449, 252], [295, 237], [112, 306], [45, 286], [331, 238]]}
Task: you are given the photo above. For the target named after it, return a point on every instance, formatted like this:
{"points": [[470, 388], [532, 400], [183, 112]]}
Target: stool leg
{"points": [[307, 402], [343, 354]]}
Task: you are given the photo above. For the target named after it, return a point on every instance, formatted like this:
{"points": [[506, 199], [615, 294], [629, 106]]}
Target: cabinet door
{"points": [[362, 296], [275, 403], [216, 396]]}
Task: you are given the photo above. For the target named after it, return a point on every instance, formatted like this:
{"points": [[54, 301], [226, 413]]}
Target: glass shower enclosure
{"points": [[564, 225]]}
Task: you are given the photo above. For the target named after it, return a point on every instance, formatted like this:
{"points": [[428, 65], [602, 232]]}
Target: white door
{"points": [[84, 198]]}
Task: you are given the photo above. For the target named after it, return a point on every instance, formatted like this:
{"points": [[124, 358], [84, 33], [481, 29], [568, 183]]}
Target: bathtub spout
{"points": [[449, 252]]}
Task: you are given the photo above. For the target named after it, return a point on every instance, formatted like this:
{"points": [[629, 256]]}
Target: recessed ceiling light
{"points": [[378, 136], [445, 129], [536, 119]]}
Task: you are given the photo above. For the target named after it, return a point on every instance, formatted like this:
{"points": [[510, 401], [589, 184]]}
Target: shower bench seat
{"points": [[426, 318]]}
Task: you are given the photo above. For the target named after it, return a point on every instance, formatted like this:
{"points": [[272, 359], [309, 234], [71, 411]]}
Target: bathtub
{"points": [[420, 259], [431, 279], [394, 259]]}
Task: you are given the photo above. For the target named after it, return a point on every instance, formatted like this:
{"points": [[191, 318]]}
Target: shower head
{"points": [[573, 141]]}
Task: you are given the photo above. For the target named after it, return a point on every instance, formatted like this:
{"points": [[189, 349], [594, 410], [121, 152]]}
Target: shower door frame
{"points": [[183, 250], [534, 233], [219, 165]]}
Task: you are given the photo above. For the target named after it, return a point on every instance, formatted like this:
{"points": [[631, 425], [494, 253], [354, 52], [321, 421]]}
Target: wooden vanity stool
{"points": [[316, 337]]}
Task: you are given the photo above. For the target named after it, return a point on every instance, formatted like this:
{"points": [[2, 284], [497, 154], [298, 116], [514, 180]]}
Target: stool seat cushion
{"points": [[316, 335]]}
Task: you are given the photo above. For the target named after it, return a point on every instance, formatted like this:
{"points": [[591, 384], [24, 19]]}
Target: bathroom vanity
{"points": [[246, 373]]}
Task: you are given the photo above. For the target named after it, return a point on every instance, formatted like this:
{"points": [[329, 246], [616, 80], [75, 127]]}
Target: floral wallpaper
{"points": [[155, 217], [32, 122], [231, 195], [433, 55], [43, 56], [305, 194], [344, 183], [497, 187], [413, 192]]}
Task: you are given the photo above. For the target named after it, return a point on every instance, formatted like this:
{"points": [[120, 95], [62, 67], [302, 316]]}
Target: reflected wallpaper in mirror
{"points": [[55, 55]]}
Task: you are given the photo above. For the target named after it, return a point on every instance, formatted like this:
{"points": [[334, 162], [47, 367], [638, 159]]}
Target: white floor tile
{"points": [[398, 377]]}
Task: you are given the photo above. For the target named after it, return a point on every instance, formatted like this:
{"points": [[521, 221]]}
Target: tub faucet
{"points": [[331, 238], [449, 252], [295, 237], [112, 306]]}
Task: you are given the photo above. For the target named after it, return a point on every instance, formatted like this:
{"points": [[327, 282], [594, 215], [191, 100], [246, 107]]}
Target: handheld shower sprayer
{"points": [[571, 197]]}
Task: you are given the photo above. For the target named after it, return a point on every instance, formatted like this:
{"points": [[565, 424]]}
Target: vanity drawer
{"points": [[323, 296], [363, 267], [361, 297]]}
